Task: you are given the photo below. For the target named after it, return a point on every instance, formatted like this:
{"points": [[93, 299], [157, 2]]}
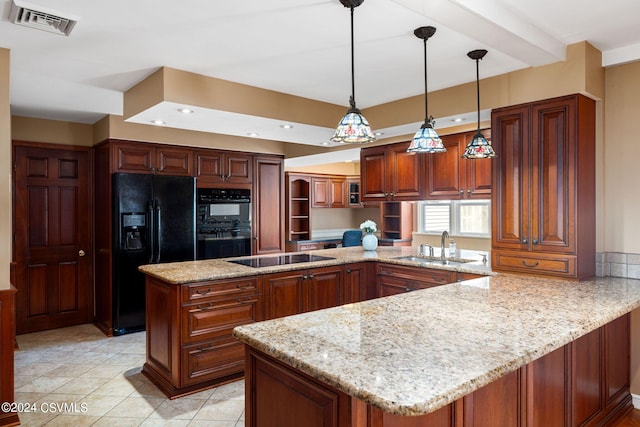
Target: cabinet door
{"points": [[321, 192], [510, 197], [322, 288], [553, 187], [209, 166], [174, 161], [407, 174], [617, 354], [133, 157], [268, 205], [445, 179], [546, 390], [353, 193], [587, 377], [355, 284], [496, 404], [283, 294], [337, 192], [237, 168], [373, 174], [388, 285]]}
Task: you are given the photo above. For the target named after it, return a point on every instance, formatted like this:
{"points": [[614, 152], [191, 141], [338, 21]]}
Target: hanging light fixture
{"points": [[479, 147], [353, 128], [426, 140]]}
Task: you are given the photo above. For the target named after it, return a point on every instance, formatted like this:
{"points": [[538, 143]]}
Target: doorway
{"points": [[53, 247]]}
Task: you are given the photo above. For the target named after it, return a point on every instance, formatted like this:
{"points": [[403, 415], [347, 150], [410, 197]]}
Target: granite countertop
{"points": [[413, 353], [212, 269]]}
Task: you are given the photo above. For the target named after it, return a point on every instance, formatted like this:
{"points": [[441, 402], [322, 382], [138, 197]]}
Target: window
{"points": [[470, 218]]}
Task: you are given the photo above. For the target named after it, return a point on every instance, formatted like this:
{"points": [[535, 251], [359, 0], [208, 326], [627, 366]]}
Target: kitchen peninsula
{"points": [[526, 350]]}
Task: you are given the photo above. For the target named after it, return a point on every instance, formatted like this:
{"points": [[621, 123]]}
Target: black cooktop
{"points": [[279, 260]]}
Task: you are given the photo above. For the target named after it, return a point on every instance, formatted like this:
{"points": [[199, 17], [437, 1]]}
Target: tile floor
{"points": [[78, 377]]}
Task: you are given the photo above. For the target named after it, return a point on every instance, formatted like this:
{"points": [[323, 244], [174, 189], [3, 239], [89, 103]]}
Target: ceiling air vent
{"points": [[34, 16]]}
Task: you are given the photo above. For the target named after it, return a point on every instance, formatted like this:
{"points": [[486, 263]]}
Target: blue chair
{"points": [[351, 238]]}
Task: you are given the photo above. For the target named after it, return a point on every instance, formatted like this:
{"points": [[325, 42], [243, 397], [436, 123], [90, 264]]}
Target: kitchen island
{"points": [[506, 349], [502, 350]]}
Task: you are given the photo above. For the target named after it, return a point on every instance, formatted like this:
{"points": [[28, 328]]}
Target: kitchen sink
{"points": [[434, 259]]}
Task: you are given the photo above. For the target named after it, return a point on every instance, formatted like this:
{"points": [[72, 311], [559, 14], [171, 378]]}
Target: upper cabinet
{"points": [[298, 196], [268, 205], [389, 173], [451, 177], [135, 157], [223, 167], [328, 191], [544, 188]]}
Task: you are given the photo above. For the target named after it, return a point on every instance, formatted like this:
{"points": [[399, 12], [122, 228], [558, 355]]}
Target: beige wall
{"points": [[5, 167], [342, 168], [621, 201]]}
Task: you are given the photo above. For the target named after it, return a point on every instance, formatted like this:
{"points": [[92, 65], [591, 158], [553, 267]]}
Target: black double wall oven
{"points": [[223, 223]]}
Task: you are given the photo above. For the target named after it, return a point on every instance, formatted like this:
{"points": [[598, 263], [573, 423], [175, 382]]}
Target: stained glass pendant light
{"points": [[426, 140], [479, 147], [353, 128]]}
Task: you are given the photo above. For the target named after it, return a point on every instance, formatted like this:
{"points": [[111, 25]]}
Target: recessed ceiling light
{"points": [[158, 122], [325, 143], [286, 126], [378, 133], [458, 120], [252, 134], [185, 110]]}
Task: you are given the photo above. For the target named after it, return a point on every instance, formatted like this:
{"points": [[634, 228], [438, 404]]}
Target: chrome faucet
{"points": [[445, 235], [423, 250]]}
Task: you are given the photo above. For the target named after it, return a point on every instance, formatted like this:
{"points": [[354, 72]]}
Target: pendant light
{"points": [[479, 147], [426, 140], [353, 128]]}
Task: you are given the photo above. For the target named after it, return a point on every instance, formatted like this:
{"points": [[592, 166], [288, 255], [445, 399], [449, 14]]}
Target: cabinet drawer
{"points": [[418, 274], [211, 360], [308, 246], [210, 319], [557, 265], [221, 288]]}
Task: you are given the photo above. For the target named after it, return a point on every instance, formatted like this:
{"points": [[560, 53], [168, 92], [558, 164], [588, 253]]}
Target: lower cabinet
{"points": [[356, 283], [302, 290], [394, 279], [190, 345], [584, 383]]}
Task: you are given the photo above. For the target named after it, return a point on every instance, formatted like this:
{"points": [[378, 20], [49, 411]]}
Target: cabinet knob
{"points": [[304, 277], [348, 270], [407, 289], [535, 241], [469, 191], [311, 276], [525, 241], [81, 253], [461, 191]]}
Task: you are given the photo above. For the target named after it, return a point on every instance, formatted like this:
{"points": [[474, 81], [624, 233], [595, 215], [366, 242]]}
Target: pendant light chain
{"points": [[352, 101], [478, 89], [426, 102]]}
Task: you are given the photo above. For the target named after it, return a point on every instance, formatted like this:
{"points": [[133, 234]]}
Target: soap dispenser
{"points": [[452, 248]]}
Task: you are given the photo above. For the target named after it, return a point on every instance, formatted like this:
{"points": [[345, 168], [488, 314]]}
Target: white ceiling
{"points": [[299, 47]]}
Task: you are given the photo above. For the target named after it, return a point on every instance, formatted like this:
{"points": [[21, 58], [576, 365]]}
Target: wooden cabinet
{"points": [[300, 291], [136, 157], [7, 347], [583, 383], [392, 279], [396, 220], [389, 173], [293, 399], [328, 191], [353, 192], [356, 283], [298, 207], [451, 177], [268, 205], [190, 345], [222, 167], [544, 188]]}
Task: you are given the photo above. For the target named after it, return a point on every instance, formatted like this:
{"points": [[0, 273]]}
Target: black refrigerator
{"points": [[153, 222]]}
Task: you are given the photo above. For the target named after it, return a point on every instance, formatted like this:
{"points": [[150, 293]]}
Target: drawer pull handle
{"points": [[199, 292], [245, 300], [348, 270], [203, 349], [535, 264], [311, 276], [205, 307]]}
